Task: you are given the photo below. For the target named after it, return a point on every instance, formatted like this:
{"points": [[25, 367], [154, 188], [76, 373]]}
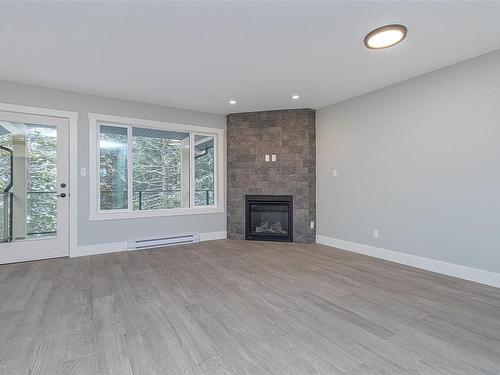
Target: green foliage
{"points": [[41, 174], [204, 177], [113, 171], [41, 165], [156, 171]]}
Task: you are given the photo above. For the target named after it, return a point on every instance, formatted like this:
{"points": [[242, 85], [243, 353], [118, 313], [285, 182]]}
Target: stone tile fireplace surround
{"points": [[288, 134]]}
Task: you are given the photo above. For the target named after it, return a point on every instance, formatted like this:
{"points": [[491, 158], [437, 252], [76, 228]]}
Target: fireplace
{"points": [[269, 217]]}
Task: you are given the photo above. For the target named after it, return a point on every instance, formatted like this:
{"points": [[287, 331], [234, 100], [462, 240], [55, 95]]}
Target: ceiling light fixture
{"points": [[385, 36], [232, 101], [295, 97]]}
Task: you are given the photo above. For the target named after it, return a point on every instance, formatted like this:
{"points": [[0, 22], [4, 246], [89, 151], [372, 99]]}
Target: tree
{"points": [[41, 177], [156, 172]]}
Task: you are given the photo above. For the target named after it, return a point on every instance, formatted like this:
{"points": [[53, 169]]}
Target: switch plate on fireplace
{"points": [[312, 224], [267, 158], [273, 157]]}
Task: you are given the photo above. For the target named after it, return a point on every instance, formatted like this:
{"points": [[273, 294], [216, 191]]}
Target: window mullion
{"points": [[216, 171], [191, 170], [97, 163], [130, 193]]}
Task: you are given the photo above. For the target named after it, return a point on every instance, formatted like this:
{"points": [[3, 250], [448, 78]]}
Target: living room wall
{"points": [[112, 231], [419, 162]]}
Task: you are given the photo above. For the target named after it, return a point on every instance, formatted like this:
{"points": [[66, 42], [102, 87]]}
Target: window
{"points": [[149, 168], [204, 170], [160, 169]]}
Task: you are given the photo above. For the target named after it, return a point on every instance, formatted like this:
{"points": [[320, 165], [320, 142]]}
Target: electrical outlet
{"points": [[334, 173], [83, 171], [375, 233], [312, 224]]}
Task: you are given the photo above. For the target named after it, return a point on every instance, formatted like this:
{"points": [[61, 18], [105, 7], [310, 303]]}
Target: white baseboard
{"points": [[450, 269], [103, 248], [113, 247], [210, 236]]}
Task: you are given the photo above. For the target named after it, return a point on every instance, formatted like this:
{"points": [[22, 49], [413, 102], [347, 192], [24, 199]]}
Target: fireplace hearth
{"points": [[269, 217]]}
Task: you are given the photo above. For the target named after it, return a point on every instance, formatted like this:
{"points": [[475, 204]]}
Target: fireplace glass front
{"points": [[269, 217]]}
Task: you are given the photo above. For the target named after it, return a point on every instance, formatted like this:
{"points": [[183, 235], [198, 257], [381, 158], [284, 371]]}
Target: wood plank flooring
{"points": [[242, 307]]}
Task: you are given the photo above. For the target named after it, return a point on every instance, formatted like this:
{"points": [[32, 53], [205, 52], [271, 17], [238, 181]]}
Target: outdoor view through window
{"points": [[161, 173]]}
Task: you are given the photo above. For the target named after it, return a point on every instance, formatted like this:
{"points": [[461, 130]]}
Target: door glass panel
{"points": [[5, 187], [28, 181], [204, 170]]}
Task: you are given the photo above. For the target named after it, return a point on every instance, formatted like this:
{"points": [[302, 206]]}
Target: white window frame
{"points": [[96, 119]]}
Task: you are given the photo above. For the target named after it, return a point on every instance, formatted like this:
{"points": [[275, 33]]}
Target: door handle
{"points": [[62, 195]]}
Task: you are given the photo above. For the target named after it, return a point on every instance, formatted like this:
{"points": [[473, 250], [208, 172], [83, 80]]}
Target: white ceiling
{"points": [[199, 55]]}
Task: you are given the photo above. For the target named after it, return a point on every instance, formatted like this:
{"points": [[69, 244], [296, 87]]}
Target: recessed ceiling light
{"points": [[232, 101], [295, 97], [385, 36]]}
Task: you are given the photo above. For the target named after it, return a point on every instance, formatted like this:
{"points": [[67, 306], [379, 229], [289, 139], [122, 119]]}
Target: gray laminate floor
{"points": [[237, 307]]}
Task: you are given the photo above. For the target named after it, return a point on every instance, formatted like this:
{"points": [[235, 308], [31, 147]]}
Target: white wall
{"points": [[97, 232], [420, 161]]}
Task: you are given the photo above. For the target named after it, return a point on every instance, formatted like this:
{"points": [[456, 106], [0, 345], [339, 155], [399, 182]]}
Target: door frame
{"points": [[72, 118]]}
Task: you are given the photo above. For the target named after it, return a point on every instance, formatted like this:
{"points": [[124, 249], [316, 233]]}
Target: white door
{"points": [[34, 191]]}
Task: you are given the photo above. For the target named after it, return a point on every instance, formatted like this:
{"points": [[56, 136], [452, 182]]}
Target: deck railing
{"points": [[142, 197]]}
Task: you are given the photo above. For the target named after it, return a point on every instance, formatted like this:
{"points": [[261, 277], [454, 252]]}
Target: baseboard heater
{"points": [[160, 242]]}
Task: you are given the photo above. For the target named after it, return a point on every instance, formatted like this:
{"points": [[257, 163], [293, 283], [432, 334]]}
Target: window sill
{"points": [[120, 215]]}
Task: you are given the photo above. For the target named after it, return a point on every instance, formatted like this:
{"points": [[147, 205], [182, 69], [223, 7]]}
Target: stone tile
{"points": [[290, 134]]}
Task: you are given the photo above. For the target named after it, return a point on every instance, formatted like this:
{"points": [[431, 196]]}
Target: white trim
{"points": [[102, 248], [445, 268], [119, 120], [126, 214], [37, 111], [114, 247], [192, 171], [210, 236], [95, 214], [93, 175], [130, 177], [73, 160]]}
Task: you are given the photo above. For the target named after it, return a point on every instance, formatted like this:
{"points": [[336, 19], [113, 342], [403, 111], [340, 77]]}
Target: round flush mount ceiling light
{"points": [[295, 97], [385, 36], [232, 101]]}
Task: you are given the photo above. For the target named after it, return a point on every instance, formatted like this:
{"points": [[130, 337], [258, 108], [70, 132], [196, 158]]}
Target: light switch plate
{"points": [[273, 157], [83, 171], [267, 158], [334, 173], [375, 233]]}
